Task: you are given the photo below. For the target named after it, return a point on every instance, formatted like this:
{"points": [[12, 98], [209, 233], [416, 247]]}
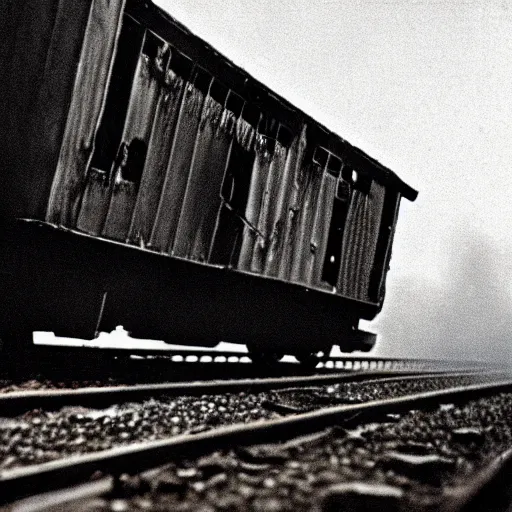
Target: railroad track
{"points": [[14, 403], [55, 367], [298, 419]]}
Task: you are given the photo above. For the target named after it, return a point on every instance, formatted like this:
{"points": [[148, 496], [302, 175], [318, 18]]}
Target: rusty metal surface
{"points": [[155, 167], [202, 196], [135, 138], [268, 211], [256, 196], [360, 241], [175, 183]]}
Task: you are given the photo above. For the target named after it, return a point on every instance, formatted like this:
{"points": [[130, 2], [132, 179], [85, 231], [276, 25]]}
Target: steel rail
{"points": [[14, 403], [52, 499], [21, 482], [490, 489]]}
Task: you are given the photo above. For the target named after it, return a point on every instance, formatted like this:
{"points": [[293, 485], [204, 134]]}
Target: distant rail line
{"points": [[62, 368]]}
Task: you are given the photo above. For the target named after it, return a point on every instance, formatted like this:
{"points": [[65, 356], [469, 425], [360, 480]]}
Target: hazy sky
{"points": [[425, 87]]}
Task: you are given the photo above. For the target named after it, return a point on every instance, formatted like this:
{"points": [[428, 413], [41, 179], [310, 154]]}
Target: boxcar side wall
{"points": [[40, 49], [198, 170]]}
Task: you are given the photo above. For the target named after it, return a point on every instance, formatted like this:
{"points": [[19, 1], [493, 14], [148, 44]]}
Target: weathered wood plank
{"points": [[291, 206], [279, 213], [304, 251], [122, 201], [347, 275], [95, 202], [268, 209], [381, 288], [259, 180], [62, 61], [231, 220], [321, 227], [100, 172], [360, 241], [375, 201]]}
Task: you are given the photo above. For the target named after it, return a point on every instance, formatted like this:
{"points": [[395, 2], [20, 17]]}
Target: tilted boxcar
{"points": [[149, 182]]}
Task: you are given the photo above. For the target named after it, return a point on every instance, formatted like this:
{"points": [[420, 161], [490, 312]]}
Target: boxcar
{"points": [[151, 183]]}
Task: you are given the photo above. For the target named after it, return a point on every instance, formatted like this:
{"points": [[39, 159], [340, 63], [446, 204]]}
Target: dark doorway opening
{"points": [[235, 192], [109, 134], [332, 259]]}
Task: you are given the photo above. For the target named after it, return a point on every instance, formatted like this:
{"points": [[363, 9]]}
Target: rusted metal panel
{"points": [[95, 202], [259, 179], [231, 220], [88, 94], [375, 204], [337, 225], [178, 168], [98, 182], [225, 245], [360, 241], [137, 131], [309, 196], [292, 206], [347, 276], [279, 213], [321, 228], [202, 197], [361, 248], [383, 268], [317, 227], [122, 201], [156, 163], [267, 212]]}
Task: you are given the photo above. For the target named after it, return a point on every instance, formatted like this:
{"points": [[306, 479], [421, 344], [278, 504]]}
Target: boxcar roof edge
{"points": [[351, 154]]}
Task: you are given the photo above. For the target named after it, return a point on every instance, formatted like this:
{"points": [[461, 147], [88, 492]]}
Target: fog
{"points": [[467, 314]]}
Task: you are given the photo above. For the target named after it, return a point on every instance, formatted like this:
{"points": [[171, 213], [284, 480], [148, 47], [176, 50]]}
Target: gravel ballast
{"points": [[40, 436], [413, 461]]}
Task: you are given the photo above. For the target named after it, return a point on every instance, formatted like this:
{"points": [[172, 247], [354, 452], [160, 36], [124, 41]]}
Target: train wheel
{"points": [[308, 360], [265, 358]]}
